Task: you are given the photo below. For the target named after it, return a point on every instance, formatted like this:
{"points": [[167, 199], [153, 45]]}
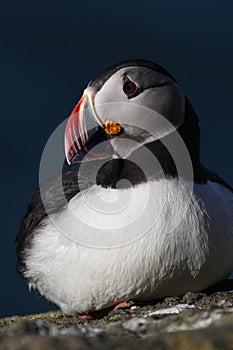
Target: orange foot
{"points": [[123, 305], [104, 312]]}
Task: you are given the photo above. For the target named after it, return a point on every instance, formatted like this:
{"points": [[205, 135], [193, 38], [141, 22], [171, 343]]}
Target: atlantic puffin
{"points": [[135, 216]]}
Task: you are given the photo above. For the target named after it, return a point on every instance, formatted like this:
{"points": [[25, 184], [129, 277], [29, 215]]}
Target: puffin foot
{"points": [[126, 304], [93, 315]]}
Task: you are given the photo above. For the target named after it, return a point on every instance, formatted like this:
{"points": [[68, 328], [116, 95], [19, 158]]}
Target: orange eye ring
{"points": [[130, 88]]}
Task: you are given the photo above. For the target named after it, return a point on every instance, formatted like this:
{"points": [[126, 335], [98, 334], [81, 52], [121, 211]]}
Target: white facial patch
{"points": [[147, 110]]}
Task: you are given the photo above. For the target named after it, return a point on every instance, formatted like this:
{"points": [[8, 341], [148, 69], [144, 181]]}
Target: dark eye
{"points": [[130, 88]]}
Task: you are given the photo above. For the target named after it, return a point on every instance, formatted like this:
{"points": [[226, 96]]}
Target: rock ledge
{"points": [[195, 321]]}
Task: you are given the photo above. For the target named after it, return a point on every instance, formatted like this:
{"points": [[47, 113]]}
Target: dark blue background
{"points": [[51, 49]]}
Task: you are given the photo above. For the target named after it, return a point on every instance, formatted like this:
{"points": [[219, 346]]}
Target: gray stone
{"points": [[136, 324], [191, 297]]}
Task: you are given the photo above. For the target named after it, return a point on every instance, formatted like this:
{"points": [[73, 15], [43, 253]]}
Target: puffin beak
{"points": [[85, 131]]}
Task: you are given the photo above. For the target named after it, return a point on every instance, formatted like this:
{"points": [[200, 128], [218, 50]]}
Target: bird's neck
{"points": [[121, 173]]}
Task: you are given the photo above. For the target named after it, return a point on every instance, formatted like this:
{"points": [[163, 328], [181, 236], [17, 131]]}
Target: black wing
{"points": [[54, 200]]}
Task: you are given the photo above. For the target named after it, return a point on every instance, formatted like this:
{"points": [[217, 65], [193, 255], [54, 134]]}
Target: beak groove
{"points": [[85, 131]]}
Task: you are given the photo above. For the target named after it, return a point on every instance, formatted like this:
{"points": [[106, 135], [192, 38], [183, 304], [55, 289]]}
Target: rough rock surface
{"points": [[194, 321]]}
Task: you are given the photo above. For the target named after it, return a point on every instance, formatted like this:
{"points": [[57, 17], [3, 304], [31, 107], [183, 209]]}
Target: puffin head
{"points": [[131, 104]]}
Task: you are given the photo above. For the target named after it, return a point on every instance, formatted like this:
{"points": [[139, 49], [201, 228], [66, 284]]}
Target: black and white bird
{"points": [[135, 216]]}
